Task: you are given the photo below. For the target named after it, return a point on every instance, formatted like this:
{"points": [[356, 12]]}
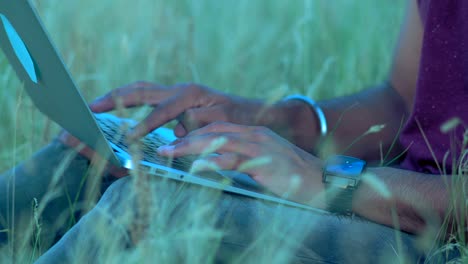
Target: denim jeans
{"points": [[309, 236]]}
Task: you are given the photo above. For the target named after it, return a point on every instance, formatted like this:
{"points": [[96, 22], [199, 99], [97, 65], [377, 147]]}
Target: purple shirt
{"points": [[442, 89]]}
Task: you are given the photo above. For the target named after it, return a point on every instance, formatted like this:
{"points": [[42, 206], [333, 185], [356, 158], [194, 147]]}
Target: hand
{"points": [[71, 141], [269, 159], [193, 105]]}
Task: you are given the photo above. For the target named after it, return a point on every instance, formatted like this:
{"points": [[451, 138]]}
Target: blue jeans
{"points": [[250, 229]]}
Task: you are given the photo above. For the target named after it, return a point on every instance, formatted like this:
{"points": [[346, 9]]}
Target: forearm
{"points": [[348, 119], [411, 200]]}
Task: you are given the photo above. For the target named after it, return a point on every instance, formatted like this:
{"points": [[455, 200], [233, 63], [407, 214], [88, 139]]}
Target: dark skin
{"points": [[285, 133]]}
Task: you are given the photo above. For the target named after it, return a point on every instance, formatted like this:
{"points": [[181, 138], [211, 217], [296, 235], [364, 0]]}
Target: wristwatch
{"points": [[341, 176]]}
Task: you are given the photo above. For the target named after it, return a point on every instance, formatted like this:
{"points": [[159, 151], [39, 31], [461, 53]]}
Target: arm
{"points": [[386, 104], [406, 200], [414, 199], [195, 106], [351, 116]]}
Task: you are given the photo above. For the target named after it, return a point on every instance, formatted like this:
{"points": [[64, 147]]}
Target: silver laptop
{"points": [[52, 89]]}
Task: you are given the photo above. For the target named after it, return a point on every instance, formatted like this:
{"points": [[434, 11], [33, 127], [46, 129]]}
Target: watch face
{"points": [[345, 166]]}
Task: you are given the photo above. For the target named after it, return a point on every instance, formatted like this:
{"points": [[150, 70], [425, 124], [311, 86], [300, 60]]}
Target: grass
{"points": [[262, 49], [318, 48]]}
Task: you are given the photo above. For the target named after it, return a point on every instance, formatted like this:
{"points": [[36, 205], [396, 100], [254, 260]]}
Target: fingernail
{"points": [[165, 149]]}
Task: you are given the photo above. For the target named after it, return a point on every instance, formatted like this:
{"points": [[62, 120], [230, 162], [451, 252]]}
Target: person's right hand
{"points": [[193, 105]]}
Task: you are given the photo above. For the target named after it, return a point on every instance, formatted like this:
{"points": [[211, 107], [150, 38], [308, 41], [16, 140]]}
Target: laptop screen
{"points": [[46, 79]]}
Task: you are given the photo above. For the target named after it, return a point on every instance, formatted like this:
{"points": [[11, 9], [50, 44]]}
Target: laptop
{"points": [[51, 87]]}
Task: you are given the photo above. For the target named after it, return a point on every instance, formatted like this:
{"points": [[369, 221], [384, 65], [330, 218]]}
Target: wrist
{"points": [[302, 122], [341, 177], [312, 187]]}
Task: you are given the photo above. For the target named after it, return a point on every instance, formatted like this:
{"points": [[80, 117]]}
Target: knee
{"points": [[117, 195], [113, 214]]}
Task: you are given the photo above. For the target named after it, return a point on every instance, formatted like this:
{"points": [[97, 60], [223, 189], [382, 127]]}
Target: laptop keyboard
{"points": [[115, 130]]}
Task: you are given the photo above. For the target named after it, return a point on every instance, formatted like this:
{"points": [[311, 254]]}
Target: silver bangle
{"points": [[316, 108]]}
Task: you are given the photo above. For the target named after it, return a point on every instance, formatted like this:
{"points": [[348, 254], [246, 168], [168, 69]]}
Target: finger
{"points": [[117, 172], [221, 127], [67, 139], [212, 143], [253, 166], [195, 118], [132, 95], [161, 114], [180, 130], [71, 141], [227, 161]]}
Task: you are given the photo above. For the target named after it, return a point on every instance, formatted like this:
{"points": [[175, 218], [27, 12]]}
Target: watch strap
{"points": [[339, 200]]}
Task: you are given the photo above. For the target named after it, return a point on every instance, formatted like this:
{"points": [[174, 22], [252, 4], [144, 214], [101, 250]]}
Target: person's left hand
{"points": [[269, 159], [67, 139]]}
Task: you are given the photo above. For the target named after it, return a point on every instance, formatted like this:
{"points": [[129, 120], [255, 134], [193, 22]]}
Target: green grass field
{"points": [[257, 49], [263, 49]]}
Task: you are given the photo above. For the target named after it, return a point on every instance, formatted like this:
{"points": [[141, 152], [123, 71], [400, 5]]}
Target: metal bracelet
{"points": [[316, 108]]}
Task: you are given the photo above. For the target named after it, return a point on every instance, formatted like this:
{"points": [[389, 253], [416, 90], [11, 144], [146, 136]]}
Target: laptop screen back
{"points": [[45, 77]]}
